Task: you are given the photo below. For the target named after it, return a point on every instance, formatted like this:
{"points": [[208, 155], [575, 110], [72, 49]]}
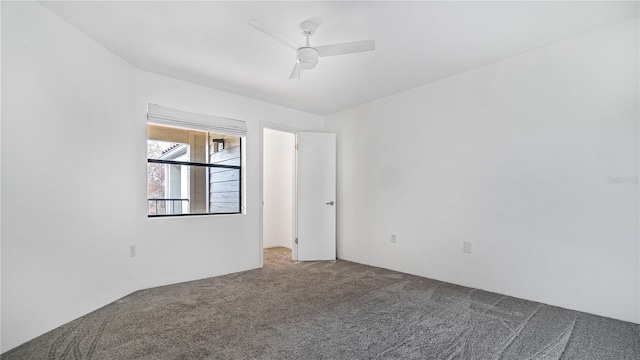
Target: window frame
{"points": [[190, 163]]}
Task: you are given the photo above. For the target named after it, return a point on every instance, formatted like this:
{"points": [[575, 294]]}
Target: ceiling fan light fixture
{"points": [[307, 57]]}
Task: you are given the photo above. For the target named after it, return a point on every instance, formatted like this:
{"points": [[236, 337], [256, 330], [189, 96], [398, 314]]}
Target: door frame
{"points": [[294, 248]]}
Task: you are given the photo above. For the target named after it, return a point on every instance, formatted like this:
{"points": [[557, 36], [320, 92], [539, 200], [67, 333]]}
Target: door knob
{"points": [[330, 203]]}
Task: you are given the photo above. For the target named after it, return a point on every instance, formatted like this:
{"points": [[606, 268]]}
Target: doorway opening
{"points": [[278, 192]]}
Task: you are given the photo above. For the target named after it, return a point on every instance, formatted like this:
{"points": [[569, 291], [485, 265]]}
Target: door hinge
{"points": [[296, 241], [296, 146]]}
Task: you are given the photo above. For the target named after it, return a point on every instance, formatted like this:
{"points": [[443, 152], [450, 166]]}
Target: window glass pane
{"points": [[185, 189], [158, 149], [224, 149], [224, 190], [167, 142]]}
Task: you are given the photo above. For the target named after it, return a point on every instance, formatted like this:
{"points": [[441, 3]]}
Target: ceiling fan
{"points": [[307, 55]]}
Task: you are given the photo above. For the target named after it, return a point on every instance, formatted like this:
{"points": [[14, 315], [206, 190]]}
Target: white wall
{"points": [[74, 183], [278, 155], [66, 110], [523, 158]]}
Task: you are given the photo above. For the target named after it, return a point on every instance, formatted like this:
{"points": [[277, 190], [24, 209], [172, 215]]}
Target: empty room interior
{"points": [[320, 180]]}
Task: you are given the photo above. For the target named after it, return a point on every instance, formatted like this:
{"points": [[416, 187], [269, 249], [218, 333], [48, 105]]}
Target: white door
{"points": [[316, 184]]}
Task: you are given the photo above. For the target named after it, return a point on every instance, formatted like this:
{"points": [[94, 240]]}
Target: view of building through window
{"points": [[192, 172]]}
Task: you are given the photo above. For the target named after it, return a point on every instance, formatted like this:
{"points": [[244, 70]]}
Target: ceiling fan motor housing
{"points": [[307, 57], [308, 28]]}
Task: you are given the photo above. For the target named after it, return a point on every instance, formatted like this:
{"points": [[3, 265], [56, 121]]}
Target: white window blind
{"points": [[166, 116]]}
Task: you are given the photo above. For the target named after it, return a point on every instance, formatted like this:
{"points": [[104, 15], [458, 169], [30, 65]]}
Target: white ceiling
{"points": [[210, 43]]}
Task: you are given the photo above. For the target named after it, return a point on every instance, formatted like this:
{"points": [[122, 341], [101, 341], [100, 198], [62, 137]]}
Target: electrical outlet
{"points": [[394, 239], [132, 250], [466, 247]]}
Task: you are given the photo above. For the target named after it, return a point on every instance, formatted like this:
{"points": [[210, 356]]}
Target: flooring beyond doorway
{"points": [[330, 310]]}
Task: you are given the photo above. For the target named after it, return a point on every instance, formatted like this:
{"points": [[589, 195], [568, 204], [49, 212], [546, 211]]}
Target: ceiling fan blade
{"points": [[346, 48], [296, 72], [274, 34]]}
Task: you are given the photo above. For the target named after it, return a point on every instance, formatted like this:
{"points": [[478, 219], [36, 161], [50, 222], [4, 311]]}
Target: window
{"points": [[191, 171]]}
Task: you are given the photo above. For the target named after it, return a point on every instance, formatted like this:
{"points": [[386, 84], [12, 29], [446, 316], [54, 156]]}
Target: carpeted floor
{"points": [[330, 310]]}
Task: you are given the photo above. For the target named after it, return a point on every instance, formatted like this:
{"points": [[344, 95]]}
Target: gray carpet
{"points": [[330, 310]]}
